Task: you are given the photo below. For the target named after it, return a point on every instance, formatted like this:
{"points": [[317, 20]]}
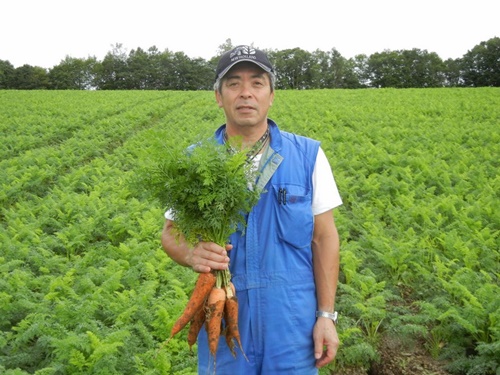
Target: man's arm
{"points": [[203, 257], [326, 260]]}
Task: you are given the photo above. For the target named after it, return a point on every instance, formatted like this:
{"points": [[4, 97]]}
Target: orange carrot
{"points": [[232, 331], [202, 288], [195, 326], [215, 311]]}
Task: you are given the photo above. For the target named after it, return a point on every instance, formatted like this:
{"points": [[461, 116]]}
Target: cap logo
{"points": [[242, 52]]}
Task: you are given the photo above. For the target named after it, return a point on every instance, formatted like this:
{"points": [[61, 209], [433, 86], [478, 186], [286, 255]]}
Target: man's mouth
{"points": [[245, 108]]}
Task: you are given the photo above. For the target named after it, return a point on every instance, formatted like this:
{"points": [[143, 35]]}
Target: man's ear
{"points": [[218, 98]]}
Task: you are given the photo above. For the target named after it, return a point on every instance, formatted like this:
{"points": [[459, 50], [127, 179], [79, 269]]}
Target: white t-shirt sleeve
{"points": [[169, 215], [325, 192]]}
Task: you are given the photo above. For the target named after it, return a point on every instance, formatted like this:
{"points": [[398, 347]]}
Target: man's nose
{"points": [[245, 91]]}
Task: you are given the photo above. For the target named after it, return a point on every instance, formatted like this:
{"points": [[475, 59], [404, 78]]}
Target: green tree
{"points": [[384, 69], [425, 69], [452, 73], [179, 72], [6, 74], [359, 66], [29, 77], [322, 77], [200, 75], [73, 74], [111, 73], [141, 72], [338, 68], [406, 68], [332, 70], [294, 69], [224, 47], [154, 74], [481, 65]]}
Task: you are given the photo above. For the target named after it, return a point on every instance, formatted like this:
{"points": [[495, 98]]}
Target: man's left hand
{"points": [[326, 341]]}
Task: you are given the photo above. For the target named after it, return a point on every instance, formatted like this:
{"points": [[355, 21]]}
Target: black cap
{"points": [[239, 54]]}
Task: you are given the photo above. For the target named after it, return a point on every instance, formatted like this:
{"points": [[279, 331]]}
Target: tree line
{"points": [[296, 68]]}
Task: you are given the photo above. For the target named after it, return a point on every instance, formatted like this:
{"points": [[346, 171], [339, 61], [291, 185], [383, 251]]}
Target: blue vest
{"points": [[271, 266]]}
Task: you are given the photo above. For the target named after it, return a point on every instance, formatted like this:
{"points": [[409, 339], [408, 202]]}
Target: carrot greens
{"points": [[208, 188]]}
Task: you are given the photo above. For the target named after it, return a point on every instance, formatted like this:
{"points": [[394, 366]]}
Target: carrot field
{"points": [[85, 287]]}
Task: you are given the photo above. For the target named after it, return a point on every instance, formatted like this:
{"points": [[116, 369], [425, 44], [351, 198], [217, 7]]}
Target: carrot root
{"points": [[215, 312], [211, 303], [204, 285], [195, 326], [232, 330]]}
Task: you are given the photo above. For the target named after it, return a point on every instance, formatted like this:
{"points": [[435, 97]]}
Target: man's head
{"points": [[244, 89], [243, 54]]}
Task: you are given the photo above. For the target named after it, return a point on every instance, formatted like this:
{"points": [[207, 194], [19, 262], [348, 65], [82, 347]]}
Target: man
{"points": [[285, 263]]}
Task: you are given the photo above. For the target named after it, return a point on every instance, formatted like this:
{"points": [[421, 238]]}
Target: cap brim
{"points": [[264, 67]]}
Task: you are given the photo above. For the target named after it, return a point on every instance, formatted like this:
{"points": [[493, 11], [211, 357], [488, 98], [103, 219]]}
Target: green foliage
{"points": [[206, 188], [85, 287], [480, 64]]}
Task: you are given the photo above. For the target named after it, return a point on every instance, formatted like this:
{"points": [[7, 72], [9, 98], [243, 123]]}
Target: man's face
{"points": [[245, 96]]}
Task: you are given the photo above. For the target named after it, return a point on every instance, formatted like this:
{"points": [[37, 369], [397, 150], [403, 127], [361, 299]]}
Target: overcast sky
{"points": [[44, 32]]}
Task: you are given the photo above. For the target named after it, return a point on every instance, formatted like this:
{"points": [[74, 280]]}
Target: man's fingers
{"points": [[209, 256], [324, 354]]}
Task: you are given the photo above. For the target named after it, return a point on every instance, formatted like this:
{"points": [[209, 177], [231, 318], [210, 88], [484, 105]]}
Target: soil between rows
{"points": [[398, 359]]}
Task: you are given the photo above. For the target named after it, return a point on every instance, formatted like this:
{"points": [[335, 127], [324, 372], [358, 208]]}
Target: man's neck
{"points": [[246, 136]]}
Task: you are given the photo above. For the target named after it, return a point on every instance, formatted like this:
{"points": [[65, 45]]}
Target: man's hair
{"points": [[271, 75]]}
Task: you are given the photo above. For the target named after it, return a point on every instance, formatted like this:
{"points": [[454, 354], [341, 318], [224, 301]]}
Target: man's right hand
{"points": [[204, 257], [207, 256]]}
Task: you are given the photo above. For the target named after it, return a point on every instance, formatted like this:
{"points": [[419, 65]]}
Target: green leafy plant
{"points": [[80, 252], [207, 188]]}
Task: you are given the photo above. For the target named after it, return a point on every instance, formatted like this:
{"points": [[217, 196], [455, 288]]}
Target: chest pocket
{"points": [[294, 216]]}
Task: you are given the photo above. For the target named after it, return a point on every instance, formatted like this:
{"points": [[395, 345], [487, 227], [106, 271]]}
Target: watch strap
{"points": [[333, 316]]}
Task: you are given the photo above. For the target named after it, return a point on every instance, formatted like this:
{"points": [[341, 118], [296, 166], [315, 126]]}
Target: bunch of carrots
{"points": [[207, 190], [213, 303]]}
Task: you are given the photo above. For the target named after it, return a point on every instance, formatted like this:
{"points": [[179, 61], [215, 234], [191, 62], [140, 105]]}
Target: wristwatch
{"points": [[328, 315]]}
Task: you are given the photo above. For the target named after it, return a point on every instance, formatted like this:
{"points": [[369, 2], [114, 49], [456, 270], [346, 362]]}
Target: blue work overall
{"points": [[272, 269]]}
